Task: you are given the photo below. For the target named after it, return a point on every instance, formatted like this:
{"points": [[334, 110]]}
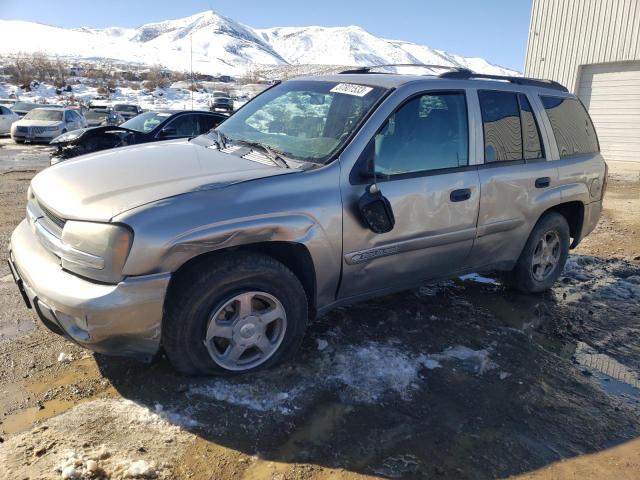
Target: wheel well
{"points": [[294, 256], [573, 212]]}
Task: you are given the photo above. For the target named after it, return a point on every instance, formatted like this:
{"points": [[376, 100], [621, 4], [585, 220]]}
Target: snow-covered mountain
{"points": [[221, 45]]}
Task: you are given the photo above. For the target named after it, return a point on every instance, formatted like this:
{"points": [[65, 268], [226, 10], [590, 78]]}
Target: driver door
{"points": [[421, 158]]}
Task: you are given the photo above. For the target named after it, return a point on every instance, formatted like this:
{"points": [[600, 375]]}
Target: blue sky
{"points": [[493, 29]]}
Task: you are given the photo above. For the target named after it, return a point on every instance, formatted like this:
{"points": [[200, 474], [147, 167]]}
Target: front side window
{"points": [[185, 126], [429, 132], [146, 122], [571, 126], [207, 122], [302, 119]]}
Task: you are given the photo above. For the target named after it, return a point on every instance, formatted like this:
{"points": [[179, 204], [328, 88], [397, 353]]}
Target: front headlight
{"points": [[96, 250], [67, 137], [52, 129]]}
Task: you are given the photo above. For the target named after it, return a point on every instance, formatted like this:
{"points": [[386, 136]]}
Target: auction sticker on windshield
{"points": [[351, 89]]}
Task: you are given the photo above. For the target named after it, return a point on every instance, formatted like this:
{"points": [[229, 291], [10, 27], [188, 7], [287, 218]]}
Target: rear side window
{"points": [[571, 126], [502, 128], [510, 128], [531, 146]]}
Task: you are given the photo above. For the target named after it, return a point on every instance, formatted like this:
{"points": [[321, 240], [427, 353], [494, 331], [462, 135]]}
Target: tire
{"points": [[526, 276], [212, 286]]}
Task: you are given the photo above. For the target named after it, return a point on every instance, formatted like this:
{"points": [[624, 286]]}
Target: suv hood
{"points": [[101, 185]]}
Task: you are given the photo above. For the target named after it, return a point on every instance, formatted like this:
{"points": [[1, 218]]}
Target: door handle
{"points": [[460, 195], [543, 182]]}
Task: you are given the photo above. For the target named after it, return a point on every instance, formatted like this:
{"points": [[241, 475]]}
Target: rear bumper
{"points": [[123, 319]]}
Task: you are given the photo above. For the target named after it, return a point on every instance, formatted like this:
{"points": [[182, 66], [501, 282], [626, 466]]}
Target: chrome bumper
{"points": [[123, 319]]}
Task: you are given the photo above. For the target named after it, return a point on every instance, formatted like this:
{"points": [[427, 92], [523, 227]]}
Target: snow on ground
{"points": [[166, 98], [359, 374]]}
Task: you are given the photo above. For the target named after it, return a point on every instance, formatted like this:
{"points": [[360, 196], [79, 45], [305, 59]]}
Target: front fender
{"points": [[297, 228]]}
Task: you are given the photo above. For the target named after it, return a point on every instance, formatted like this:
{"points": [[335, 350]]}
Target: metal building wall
{"points": [[565, 34]]}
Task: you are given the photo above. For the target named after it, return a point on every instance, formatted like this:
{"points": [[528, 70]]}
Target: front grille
{"points": [[52, 217], [38, 130]]}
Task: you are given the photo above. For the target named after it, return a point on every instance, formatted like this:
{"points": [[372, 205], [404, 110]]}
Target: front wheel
{"points": [[543, 257], [234, 314]]}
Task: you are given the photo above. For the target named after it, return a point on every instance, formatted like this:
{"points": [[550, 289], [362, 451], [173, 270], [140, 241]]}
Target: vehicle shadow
{"points": [[463, 379]]}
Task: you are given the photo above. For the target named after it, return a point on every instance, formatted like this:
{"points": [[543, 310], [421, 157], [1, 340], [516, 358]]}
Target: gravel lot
{"points": [[463, 379]]}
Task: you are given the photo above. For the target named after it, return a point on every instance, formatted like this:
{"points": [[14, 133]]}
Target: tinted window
{"points": [[4, 111], [502, 128], [531, 144], [429, 132], [146, 122], [571, 126], [185, 125], [207, 122], [67, 116]]}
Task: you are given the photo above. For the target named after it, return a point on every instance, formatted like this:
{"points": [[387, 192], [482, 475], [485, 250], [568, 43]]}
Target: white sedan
{"points": [[7, 117], [45, 124]]}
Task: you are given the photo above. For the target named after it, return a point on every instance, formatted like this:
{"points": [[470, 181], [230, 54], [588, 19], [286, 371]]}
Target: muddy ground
{"points": [[463, 379]]}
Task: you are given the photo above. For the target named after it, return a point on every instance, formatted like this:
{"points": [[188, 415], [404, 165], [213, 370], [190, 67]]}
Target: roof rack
{"points": [[421, 65], [464, 74]]}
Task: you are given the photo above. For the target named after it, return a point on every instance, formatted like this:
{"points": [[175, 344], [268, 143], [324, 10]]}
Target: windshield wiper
{"points": [[273, 155], [222, 139]]}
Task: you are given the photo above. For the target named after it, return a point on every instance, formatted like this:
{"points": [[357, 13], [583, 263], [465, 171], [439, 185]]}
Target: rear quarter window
{"points": [[571, 126]]}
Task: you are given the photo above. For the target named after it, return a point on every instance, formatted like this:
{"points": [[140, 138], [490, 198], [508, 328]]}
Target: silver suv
{"points": [[320, 192]]}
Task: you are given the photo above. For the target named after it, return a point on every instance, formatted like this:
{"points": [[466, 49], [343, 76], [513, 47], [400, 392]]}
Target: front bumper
{"points": [[32, 137], [123, 319]]}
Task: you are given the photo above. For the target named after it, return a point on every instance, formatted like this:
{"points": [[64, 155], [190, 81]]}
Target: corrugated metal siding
{"points": [[565, 34], [611, 93]]}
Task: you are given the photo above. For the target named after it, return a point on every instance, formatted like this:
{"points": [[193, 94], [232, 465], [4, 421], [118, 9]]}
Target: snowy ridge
{"points": [[223, 46]]}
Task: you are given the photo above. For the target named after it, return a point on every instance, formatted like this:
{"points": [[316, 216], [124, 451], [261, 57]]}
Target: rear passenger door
{"points": [[516, 180], [421, 157]]}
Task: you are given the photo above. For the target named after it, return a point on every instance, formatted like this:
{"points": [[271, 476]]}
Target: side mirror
{"points": [[376, 211], [168, 132]]}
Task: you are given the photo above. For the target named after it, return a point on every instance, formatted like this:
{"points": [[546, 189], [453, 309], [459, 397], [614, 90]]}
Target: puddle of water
{"points": [[614, 377], [22, 420]]}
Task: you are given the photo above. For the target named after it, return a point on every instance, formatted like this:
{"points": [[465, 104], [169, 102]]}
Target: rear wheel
{"points": [[543, 257], [234, 314]]}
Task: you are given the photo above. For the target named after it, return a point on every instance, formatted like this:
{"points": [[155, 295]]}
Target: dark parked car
{"points": [[128, 111], [103, 118], [146, 127]]}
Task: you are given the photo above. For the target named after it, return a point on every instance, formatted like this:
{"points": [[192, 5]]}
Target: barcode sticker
{"points": [[351, 89]]}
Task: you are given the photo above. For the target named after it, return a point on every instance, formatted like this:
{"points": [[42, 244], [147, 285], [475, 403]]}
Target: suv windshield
{"points": [[45, 115], [145, 122], [303, 119]]}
